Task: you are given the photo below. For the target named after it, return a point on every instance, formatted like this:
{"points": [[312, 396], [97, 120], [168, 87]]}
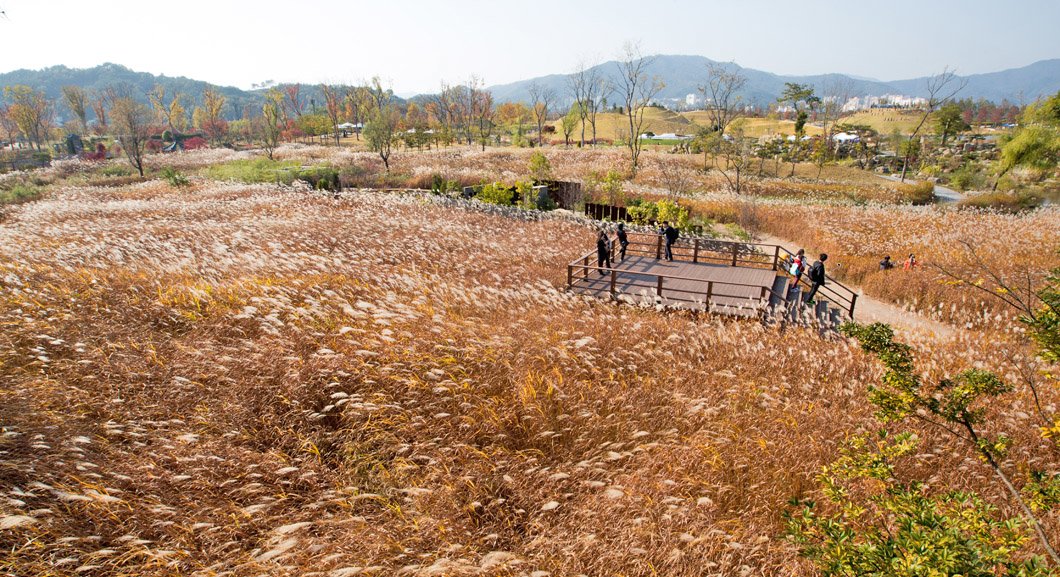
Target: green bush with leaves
{"points": [[540, 168], [956, 405], [874, 525], [173, 177], [496, 193], [673, 213], [18, 192], [262, 170]]}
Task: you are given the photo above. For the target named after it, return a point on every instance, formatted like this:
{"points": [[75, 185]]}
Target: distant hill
{"points": [[684, 74], [51, 80]]}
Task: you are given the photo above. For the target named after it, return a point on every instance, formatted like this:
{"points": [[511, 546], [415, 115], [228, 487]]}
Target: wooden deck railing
{"points": [[708, 251]]}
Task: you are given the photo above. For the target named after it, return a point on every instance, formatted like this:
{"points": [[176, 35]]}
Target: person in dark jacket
{"points": [[671, 235], [603, 251], [886, 263], [623, 240], [817, 276]]}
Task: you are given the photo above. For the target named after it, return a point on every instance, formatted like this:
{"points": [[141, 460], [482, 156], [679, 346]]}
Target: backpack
{"points": [[796, 267]]}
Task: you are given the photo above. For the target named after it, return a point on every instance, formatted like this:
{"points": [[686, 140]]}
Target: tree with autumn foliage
{"points": [[31, 111], [208, 117]]}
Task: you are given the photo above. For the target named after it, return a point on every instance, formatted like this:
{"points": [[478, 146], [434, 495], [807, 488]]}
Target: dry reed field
{"points": [[231, 379], [1020, 248]]}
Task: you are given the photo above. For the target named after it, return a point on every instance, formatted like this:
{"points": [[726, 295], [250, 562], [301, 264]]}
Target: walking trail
{"points": [[869, 309]]}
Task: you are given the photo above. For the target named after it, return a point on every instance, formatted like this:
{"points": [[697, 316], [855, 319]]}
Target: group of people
{"points": [[814, 272], [910, 263], [604, 244]]}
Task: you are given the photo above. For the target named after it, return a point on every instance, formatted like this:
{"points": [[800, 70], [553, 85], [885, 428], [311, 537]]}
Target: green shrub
{"points": [[673, 213], [18, 193], [283, 172], [115, 170], [173, 177], [540, 168], [642, 212], [496, 193], [441, 185], [968, 178]]}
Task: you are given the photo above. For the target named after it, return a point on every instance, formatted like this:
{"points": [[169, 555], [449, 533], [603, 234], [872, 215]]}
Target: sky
{"points": [[415, 45]]}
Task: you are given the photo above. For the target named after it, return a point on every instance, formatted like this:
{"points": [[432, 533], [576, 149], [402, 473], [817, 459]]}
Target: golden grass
{"points": [[254, 380]]}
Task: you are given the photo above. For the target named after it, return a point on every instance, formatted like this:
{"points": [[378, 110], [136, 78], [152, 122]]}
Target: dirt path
{"points": [[869, 309]]}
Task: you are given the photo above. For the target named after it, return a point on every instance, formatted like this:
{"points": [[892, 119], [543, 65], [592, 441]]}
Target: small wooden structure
{"points": [[736, 278]]}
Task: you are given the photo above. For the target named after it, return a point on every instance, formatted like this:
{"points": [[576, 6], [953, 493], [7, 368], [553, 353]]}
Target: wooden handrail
{"points": [[699, 246]]}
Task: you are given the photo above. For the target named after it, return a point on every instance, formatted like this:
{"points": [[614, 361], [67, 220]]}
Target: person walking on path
{"points": [[886, 263], [817, 277], [671, 235], [623, 240], [603, 252], [797, 267], [911, 263]]}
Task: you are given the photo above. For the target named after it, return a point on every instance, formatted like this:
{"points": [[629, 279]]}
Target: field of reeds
{"points": [[237, 379]]}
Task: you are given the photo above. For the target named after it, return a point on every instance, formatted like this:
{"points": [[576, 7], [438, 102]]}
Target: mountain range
{"points": [[682, 75]]}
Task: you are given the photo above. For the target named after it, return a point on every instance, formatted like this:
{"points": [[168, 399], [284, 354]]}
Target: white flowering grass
{"points": [[256, 380]]}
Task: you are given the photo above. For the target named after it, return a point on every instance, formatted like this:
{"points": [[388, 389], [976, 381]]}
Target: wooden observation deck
{"points": [[735, 278]]}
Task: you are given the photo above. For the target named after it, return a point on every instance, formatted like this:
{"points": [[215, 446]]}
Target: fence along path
{"points": [[738, 278]]}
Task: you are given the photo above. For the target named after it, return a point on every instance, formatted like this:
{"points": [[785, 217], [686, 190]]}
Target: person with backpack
{"points": [[623, 240], [886, 263], [671, 235], [603, 252], [817, 278]]}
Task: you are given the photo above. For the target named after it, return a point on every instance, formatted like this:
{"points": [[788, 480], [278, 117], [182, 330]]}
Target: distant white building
{"points": [[691, 99]]}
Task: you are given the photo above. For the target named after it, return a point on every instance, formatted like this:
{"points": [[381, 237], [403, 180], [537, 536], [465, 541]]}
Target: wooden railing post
{"points": [[658, 246], [710, 293], [853, 299], [776, 257], [570, 276], [585, 267], [695, 251], [614, 278], [658, 288], [735, 247]]}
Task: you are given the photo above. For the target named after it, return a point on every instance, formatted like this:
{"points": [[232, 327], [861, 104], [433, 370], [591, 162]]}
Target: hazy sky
{"points": [[415, 44]]}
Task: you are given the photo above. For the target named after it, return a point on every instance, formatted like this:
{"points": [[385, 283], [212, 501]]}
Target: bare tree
{"points": [[597, 89], [130, 122], [834, 95], [76, 101], [468, 100], [448, 105], [941, 88], [99, 107], [584, 86], [333, 107], [483, 113], [541, 101], [638, 91], [722, 93], [677, 177]]}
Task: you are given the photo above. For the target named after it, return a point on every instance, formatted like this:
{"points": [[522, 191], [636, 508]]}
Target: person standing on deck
{"points": [[671, 235], [817, 277], [623, 241], [797, 267], [603, 251]]}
